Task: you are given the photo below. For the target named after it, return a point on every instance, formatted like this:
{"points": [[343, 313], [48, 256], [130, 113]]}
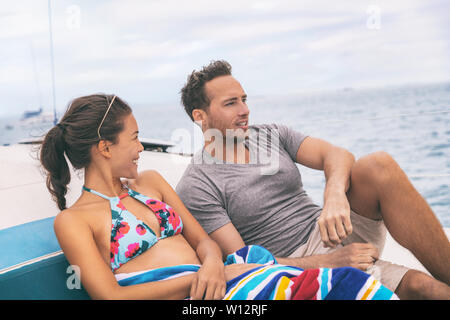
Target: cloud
{"points": [[275, 46]]}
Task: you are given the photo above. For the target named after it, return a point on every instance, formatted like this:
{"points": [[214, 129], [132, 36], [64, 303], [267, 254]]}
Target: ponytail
{"points": [[74, 137], [53, 160]]}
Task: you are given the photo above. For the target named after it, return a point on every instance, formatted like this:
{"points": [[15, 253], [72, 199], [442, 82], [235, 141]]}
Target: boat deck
{"points": [[25, 197]]}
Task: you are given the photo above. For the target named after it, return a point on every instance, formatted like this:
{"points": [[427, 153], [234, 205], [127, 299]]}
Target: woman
{"points": [[119, 229]]}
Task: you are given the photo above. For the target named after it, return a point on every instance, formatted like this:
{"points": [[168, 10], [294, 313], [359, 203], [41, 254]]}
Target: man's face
{"points": [[228, 108]]}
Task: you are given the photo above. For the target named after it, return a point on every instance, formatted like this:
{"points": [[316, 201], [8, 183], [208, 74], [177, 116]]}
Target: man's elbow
{"points": [[350, 155], [345, 154]]}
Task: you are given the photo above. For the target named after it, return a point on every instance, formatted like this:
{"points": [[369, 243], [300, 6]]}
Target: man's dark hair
{"points": [[193, 95]]}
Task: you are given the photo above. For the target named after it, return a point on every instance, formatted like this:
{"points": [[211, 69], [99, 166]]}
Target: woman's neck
{"points": [[102, 181]]}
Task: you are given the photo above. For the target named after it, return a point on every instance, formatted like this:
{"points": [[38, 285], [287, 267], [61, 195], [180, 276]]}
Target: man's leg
{"points": [[379, 189], [416, 285]]}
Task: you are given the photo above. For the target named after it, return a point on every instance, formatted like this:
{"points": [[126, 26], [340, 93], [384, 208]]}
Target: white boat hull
{"points": [[27, 208]]}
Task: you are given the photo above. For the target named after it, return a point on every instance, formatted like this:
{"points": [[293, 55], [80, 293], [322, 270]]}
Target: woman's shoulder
{"points": [[148, 182], [147, 178], [69, 215], [68, 219], [76, 215]]}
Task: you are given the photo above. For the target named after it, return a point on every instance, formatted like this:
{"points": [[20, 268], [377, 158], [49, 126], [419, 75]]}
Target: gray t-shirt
{"points": [[264, 199]]}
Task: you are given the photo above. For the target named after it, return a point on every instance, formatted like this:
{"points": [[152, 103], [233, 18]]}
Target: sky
{"points": [[144, 50]]}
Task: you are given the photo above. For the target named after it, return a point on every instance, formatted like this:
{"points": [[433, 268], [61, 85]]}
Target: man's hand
{"points": [[334, 221], [356, 255]]}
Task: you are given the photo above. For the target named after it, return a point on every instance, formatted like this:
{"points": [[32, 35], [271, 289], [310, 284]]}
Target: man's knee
{"points": [[374, 166], [418, 285]]}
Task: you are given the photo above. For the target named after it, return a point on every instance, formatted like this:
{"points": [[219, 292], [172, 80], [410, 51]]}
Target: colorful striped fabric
{"points": [[273, 281], [278, 282]]}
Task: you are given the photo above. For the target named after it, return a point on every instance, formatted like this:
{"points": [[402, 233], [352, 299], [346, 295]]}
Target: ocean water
{"points": [[411, 123]]}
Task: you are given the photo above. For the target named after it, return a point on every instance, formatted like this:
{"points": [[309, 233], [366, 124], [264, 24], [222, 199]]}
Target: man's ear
{"points": [[199, 115], [200, 118], [103, 148]]}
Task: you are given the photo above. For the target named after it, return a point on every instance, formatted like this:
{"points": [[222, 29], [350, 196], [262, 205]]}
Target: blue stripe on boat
{"points": [[43, 280], [27, 241]]}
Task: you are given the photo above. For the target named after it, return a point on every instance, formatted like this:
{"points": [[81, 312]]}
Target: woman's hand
{"points": [[209, 281]]}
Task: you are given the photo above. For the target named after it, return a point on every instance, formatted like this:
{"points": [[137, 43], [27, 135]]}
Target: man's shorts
{"points": [[364, 230]]}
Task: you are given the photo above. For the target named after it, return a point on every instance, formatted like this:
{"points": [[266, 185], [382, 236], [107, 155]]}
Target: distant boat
{"points": [[38, 117], [30, 114], [9, 127]]}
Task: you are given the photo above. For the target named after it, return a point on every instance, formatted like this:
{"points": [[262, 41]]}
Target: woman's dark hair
{"points": [[193, 95], [75, 135]]}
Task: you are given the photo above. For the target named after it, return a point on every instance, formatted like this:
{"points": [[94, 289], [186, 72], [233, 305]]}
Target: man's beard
{"points": [[235, 135]]}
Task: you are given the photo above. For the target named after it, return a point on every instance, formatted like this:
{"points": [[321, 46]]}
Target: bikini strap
{"points": [[139, 196], [98, 193]]}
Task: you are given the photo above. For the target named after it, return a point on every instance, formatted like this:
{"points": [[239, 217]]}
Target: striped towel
{"points": [[273, 281]]}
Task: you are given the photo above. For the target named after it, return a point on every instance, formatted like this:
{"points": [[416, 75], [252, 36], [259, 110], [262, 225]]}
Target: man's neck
{"points": [[230, 151]]}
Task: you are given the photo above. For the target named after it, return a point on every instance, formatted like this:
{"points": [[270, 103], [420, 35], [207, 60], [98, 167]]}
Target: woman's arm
{"points": [[76, 240], [210, 282]]}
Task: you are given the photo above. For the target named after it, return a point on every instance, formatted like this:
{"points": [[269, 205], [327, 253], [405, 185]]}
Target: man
{"points": [[241, 201]]}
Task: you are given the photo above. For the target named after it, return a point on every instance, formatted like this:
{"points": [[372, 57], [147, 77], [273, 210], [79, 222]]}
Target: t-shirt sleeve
{"points": [[202, 199], [290, 139]]}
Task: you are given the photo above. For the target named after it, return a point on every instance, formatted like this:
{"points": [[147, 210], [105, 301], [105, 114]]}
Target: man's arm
{"points": [[334, 221], [357, 255], [229, 240]]}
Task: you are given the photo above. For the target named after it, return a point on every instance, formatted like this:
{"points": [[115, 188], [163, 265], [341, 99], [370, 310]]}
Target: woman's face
{"points": [[125, 153]]}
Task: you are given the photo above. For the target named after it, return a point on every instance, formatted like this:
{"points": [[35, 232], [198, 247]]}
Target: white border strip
{"points": [[26, 263]]}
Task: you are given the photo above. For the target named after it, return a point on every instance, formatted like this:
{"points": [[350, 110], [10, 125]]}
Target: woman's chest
{"points": [[130, 221]]}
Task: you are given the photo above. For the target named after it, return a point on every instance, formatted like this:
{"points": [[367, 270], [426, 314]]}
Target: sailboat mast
{"points": [[55, 120], [36, 79]]}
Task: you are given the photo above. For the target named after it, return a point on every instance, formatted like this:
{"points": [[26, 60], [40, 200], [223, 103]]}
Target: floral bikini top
{"points": [[130, 236]]}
